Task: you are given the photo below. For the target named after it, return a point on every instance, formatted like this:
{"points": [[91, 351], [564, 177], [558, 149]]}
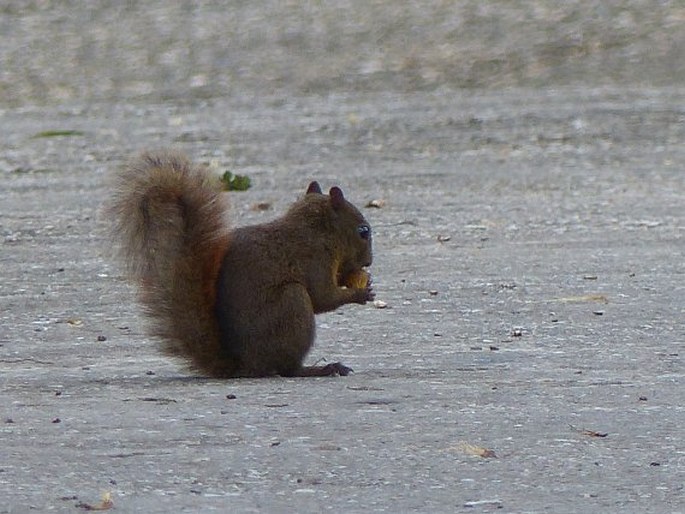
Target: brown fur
{"points": [[238, 303]]}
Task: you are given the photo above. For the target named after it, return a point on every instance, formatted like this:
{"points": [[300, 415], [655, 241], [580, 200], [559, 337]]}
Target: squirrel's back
{"points": [[169, 219]]}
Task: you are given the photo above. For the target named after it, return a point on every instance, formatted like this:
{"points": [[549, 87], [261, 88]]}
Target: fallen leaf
{"points": [[478, 451], [234, 182], [58, 133], [106, 503], [378, 203], [589, 433], [261, 206], [585, 298]]}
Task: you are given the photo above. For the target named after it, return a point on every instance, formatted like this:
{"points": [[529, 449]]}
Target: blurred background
{"points": [[156, 51]]}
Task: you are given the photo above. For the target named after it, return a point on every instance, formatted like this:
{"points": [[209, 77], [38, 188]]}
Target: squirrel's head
{"points": [[351, 233]]}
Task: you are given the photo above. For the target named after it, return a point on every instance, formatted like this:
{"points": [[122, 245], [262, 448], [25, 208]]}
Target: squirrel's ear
{"points": [[314, 187], [337, 198]]}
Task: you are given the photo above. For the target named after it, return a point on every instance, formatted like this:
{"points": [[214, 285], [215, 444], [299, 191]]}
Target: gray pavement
{"points": [[529, 249]]}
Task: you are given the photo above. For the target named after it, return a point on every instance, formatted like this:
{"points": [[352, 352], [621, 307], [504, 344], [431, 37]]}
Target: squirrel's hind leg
{"points": [[295, 341]]}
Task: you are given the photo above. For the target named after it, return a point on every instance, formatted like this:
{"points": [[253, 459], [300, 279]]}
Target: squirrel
{"points": [[240, 302]]}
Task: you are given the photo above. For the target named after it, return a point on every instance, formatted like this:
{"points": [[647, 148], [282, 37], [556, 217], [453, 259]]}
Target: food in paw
{"points": [[358, 279]]}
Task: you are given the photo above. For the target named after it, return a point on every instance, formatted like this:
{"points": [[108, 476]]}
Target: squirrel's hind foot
{"points": [[333, 369]]}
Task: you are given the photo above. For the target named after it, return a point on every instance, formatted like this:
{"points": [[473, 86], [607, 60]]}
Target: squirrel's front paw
{"points": [[365, 294], [370, 294], [359, 286]]}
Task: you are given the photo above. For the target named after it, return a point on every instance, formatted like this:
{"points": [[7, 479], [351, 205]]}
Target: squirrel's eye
{"points": [[364, 231]]}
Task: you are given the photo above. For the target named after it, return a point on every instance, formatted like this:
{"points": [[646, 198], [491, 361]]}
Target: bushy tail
{"points": [[169, 218]]}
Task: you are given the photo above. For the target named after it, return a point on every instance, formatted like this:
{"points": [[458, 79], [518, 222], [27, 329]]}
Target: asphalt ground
{"points": [[528, 249]]}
